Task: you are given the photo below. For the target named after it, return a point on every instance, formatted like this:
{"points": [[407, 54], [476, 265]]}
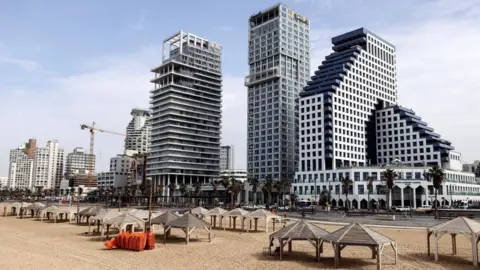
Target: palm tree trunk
{"points": [[254, 198], [435, 202]]}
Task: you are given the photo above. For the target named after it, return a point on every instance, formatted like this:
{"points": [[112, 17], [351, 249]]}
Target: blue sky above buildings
{"points": [[67, 62]]}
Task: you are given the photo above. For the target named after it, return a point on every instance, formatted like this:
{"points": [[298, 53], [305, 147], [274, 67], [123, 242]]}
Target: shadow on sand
{"points": [[308, 259], [450, 261]]}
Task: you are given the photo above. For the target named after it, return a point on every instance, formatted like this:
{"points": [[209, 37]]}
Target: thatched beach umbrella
{"points": [[188, 223]]}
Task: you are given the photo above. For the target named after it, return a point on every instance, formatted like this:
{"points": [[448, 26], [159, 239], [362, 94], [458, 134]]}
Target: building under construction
{"points": [[78, 164]]}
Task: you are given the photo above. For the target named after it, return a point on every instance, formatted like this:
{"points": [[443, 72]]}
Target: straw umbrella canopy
{"points": [[214, 213], [299, 231], [187, 223], [141, 214], [460, 225], [357, 234], [261, 213], [17, 206], [234, 214]]}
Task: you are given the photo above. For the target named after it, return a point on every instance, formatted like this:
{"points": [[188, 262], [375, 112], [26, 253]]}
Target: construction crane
{"points": [[92, 130]]}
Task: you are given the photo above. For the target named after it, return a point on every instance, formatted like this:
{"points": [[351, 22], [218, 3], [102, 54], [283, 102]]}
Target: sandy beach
{"points": [[31, 244]]}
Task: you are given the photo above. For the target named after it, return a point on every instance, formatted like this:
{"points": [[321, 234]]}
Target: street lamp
{"points": [[150, 186], [329, 192], [316, 193], [451, 196], [410, 198]]}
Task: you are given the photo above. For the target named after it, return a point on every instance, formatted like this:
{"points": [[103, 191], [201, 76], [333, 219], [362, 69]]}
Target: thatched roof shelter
{"points": [[261, 213], [101, 218], [164, 218], [64, 212], [187, 223], [301, 230], [357, 234], [91, 211], [141, 214], [460, 225], [234, 214]]}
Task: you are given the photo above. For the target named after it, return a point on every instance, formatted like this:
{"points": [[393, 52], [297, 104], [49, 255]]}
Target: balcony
{"points": [[262, 76]]}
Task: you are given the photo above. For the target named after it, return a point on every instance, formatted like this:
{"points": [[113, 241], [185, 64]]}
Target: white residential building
{"points": [[186, 105], [350, 126], [279, 61], [20, 171], [227, 157], [48, 165], [240, 175], [122, 169], [138, 131], [3, 182]]}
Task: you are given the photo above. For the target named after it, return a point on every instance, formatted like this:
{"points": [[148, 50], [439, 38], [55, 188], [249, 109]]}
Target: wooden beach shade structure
{"points": [[199, 212], [123, 220], [164, 218], [89, 212], [47, 212], [233, 215], [188, 223], [34, 209], [14, 208], [357, 234], [101, 219], [215, 213], [460, 225], [299, 231], [261, 213]]}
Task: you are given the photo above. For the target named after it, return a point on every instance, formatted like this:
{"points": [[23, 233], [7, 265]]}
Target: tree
{"points": [[346, 182], [171, 188], [160, 189], [389, 176], [225, 182], [369, 189], [278, 185], [197, 187], [183, 189], [235, 188], [436, 174], [214, 185], [268, 187], [254, 183], [323, 198]]}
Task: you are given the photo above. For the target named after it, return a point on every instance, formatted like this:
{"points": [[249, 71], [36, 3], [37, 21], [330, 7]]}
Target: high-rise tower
{"points": [[138, 132], [186, 121], [279, 60], [337, 108]]}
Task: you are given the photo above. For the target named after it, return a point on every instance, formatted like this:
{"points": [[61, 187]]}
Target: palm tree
{"points": [[369, 190], [279, 186], [346, 182], [197, 187], [225, 182], [389, 176], [171, 188], [214, 184], [183, 190], [323, 198], [436, 174], [235, 188], [268, 187], [254, 183], [160, 189]]}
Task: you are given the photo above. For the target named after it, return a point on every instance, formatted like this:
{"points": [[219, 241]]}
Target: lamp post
{"points": [[329, 193], [150, 187], [409, 198], [451, 195], [316, 193]]}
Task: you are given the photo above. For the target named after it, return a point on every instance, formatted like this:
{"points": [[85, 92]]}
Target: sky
{"points": [[64, 63]]}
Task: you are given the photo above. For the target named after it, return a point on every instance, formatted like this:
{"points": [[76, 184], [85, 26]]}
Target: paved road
{"points": [[415, 221]]}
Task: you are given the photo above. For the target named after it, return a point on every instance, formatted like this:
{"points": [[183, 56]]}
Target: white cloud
{"points": [[105, 94], [25, 64]]}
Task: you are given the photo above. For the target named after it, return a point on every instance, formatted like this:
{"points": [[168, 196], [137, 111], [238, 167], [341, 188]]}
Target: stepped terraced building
{"points": [[351, 126]]}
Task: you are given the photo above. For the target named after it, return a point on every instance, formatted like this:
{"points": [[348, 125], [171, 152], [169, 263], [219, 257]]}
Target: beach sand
{"points": [[30, 244]]}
